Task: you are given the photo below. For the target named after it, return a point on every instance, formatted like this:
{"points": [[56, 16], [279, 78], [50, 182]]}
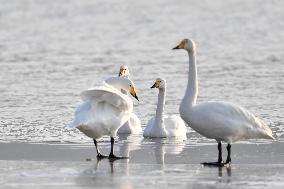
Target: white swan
{"points": [[133, 125], [104, 110], [162, 125], [221, 121]]}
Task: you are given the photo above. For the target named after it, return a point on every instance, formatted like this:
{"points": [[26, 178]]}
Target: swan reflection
{"points": [[163, 146]]}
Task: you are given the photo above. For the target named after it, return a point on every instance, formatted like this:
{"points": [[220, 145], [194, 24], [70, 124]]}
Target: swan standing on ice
{"points": [[104, 110], [162, 125], [221, 121], [133, 125]]}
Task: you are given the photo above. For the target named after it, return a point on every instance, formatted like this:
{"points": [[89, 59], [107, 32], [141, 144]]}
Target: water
{"points": [[52, 50]]}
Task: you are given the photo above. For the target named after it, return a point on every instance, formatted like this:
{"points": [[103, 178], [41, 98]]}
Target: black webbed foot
{"points": [[216, 164], [100, 156], [112, 156]]}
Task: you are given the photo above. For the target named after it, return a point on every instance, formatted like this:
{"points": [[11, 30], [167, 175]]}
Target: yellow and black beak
{"points": [[133, 93], [180, 46], [156, 85], [121, 72]]}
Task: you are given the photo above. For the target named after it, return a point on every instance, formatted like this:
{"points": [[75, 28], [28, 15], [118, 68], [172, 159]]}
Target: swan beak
{"points": [[133, 93], [136, 97], [156, 85], [180, 46], [121, 72]]}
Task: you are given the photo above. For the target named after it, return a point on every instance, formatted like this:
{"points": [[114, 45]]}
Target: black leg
{"points": [[111, 147], [99, 155], [111, 155], [219, 152], [229, 153], [219, 163]]}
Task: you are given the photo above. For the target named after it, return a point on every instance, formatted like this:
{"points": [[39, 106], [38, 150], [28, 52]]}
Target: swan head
{"points": [[128, 85], [123, 71], [186, 44], [123, 83], [159, 83]]}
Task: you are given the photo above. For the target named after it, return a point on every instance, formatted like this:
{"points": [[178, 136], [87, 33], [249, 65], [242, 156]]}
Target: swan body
{"points": [[174, 127], [225, 121], [104, 109], [221, 121], [133, 125], [163, 125]]}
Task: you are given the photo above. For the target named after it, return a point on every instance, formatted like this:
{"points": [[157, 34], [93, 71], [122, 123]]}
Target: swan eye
{"points": [[130, 85]]}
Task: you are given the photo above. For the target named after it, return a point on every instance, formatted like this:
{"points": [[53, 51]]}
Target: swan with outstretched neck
{"points": [[133, 125], [221, 121], [104, 110], [164, 125]]}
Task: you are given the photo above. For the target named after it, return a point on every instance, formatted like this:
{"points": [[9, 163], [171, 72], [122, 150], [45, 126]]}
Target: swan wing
{"points": [[227, 121], [149, 126], [103, 111], [108, 94], [132, 126]]}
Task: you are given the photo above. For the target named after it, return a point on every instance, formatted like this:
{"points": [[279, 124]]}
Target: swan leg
{"points": [[99, 155], [219, 152], [219, 163], [111, 155], [228, 161]]}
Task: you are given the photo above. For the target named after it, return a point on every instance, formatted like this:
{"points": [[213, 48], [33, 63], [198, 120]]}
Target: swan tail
{"points": [[83, 115], [265, 129]]}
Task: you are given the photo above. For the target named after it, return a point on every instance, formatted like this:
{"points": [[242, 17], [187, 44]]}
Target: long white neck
{"points": [[159, 121], [192, 84]]}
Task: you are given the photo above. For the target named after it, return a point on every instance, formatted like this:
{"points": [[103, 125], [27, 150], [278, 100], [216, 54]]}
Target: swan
{"points": [[163, 125], [104, 110], [133, 125], [124, 71], [222, 121]]}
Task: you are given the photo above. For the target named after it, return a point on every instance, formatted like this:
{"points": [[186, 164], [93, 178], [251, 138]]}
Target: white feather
{"points": [[173, 127], [132, 126], [104, 110]]}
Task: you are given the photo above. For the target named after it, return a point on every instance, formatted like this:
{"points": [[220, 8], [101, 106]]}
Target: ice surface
{"points": [[25, 165]]}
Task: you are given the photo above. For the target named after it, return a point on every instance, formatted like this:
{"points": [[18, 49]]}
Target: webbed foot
{"points": [[112, 156], [100, 156], [216, 164]]}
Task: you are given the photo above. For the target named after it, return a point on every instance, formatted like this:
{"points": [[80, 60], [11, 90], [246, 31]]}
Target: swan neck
{"points": [[192, 83], [160, 107]]}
